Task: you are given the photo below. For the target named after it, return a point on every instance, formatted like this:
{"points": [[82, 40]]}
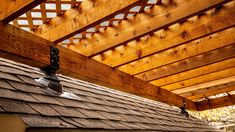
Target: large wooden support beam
{"points": [[146, 24], [201, 93], [193, 48], [216, 103], [89, 14], [21, 46], [11, 9], [175, 35]]}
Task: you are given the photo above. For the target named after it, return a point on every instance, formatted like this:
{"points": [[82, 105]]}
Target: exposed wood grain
{"points": [[193, 73], [89, 14], [205, 85], [11, 9], [175, 35], [216, 103], [196, 47], [146, 24], [193, 62], [201, 79], [21, 46], [224, 88]]}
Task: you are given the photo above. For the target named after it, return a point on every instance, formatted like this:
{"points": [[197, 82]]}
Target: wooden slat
{"points": [[15, 22], [89, 14], [205, 85], [216, 103], [193, 62], [201, 79], [58, 7], [193, 73], [43, 12], [145, 24], [224, 88], [175, 35], [199, 46], [21, 46], [11, 9], [73, 3], [30, 20]]}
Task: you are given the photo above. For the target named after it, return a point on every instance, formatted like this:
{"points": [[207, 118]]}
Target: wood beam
{"points": [[193, 73], [11, 9], [89, 14], [175, 35], [192, 63], [146, 24], [195, 95], [193, 48], [201, 79], [216, 103], [205, 85], [22, 46]]}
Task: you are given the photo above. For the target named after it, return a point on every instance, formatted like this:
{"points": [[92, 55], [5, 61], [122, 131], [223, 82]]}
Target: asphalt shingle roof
{"points": [[95, 108]]}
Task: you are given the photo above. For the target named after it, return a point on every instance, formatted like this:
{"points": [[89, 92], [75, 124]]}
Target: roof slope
{"points": [[96, 107]]}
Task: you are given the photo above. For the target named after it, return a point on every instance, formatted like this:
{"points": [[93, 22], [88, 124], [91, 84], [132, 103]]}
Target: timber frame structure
{"points": [[172, 51]]}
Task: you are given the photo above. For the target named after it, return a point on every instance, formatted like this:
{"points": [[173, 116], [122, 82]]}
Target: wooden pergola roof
{"points": [[173, 51]]}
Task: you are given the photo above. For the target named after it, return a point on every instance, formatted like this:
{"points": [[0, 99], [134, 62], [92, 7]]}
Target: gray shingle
{"points": [[97, 107], [110, 116], [4, 84], [9, 77], [73, 103], [26, 87], [71, 121], [128, 118], [46, 99], [11, 70], [93, 114], [67, 111], [39, 121], [92, 123], [16, 107], [1, 109], [116, 124], [29, 80], [44, 109]]}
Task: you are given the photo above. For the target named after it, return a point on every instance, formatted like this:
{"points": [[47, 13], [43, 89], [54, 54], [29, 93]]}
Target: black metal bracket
{"points": [[50, 71], [54, 62], [183, 110]]}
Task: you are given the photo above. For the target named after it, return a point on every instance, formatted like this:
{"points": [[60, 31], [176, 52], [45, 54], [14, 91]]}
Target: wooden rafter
{"points": [[146, 24], [11, 9], [175, 35], [89, 14], [193, 48], [224, 88], [201, 79], [192, 63], [216, 103], [21, 46], [205, 85], [212, 68]]}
